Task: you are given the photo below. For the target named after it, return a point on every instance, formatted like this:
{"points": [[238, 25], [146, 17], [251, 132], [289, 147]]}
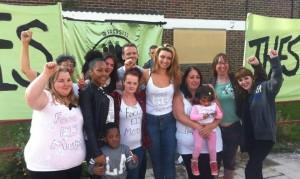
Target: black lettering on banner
{"points": [[258, 43], [6, 44], [18, 78], [293, 71], [6, 86], [38, 24], [279, 44]]}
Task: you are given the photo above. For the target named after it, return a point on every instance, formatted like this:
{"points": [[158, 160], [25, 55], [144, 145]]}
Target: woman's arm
{"points": [[275, 82], [219, 112], [179, 114], [145, 76], [35, 96], [259, 72], [26, 37], [208, 128]]}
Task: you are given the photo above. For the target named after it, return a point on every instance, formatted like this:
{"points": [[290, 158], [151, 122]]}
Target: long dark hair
{"points": [[114, 73], [204, 91], [183, 85]]}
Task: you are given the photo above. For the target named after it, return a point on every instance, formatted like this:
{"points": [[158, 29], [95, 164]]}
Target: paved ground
{"points": [[276, 166]]}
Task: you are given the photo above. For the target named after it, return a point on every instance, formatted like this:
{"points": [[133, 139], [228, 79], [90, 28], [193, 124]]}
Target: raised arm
{"points": [[26, 37], [35, 96], [275, 82], [259, 72]]}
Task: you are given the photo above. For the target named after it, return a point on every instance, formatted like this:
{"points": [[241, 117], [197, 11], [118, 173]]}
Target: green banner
{"points": [[53, 36], [81, 36], [283, 35], [47, 43]]}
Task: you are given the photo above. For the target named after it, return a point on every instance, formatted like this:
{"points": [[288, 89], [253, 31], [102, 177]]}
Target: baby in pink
{"points": [[206, 112]]}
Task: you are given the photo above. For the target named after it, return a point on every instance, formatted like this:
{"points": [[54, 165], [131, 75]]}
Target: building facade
{"points": [[230, 10]]}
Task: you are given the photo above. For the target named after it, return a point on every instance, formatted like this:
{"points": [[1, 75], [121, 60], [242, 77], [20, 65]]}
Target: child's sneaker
{"points": [[214, 168], [194, 167]]}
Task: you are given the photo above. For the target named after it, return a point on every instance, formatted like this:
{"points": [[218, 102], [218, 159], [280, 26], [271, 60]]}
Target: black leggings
{"points": [[203, 164], [72, 173], [231, 136], [257, 153]]}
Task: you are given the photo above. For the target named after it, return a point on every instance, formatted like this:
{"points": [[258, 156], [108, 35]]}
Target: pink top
{"points": [[212, 112]]}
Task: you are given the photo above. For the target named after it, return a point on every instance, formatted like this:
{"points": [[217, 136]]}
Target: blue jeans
{"points": [[136, 172], [161, 130]]}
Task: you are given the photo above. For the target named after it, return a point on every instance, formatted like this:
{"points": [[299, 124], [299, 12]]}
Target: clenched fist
{"points": [[26, 36]]}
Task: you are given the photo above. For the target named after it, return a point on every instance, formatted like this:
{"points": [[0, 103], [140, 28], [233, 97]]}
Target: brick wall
{"points": [[204, 9]]}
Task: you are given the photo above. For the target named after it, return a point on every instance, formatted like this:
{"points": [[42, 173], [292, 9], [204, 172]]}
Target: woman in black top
{"points": [[257, 110], [97, 110]]}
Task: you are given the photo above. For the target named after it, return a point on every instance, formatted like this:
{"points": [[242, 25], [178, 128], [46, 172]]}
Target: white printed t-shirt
{"points": [[56, 138], [131, 125]]}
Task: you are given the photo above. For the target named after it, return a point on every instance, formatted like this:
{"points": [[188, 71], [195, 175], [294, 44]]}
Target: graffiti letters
{"points": [[284, 45], [7, 44]]}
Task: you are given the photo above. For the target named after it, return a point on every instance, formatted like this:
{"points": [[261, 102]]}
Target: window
{"points": [[198, 45]]}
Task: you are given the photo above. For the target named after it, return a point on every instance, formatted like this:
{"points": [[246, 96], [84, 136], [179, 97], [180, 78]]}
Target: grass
{"points": [[12, 164], [288, 139], [289, 110]]}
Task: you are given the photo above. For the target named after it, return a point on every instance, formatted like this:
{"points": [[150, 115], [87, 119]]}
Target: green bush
{"points": [[288, 139], [13, 164]]}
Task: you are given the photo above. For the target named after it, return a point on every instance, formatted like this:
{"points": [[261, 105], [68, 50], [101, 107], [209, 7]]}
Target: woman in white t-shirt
{"points": [[182, 106], [56, 147], [130, 111]]}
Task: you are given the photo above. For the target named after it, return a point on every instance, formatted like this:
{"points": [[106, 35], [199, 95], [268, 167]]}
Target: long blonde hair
{"points": [[174, 69], [70, 100]]}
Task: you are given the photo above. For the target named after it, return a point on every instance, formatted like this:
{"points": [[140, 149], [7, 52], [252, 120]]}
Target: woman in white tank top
{"points": [[162, 82]]}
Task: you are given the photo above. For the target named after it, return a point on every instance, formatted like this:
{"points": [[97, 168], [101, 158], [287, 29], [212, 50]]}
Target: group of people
{"points": [[113, 116]]}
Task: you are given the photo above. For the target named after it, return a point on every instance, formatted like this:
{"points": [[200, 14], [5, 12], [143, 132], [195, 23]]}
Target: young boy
{"points": [[118, 156]]}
